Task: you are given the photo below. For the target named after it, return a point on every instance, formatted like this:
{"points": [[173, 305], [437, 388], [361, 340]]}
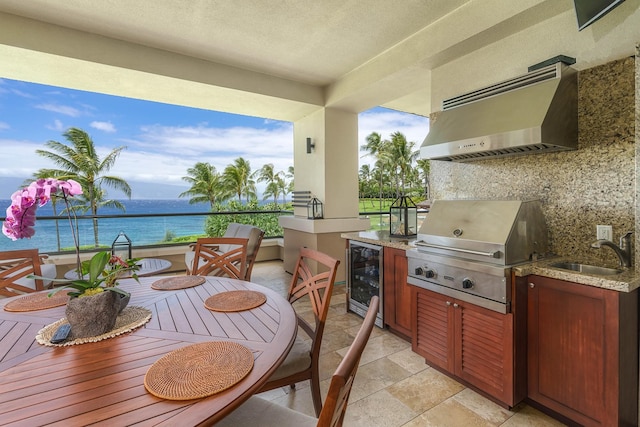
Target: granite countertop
{"points": [[627, 281], [382, 238]]}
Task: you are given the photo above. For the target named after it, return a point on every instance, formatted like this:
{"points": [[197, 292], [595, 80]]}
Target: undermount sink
{"points": [[587, 269]]}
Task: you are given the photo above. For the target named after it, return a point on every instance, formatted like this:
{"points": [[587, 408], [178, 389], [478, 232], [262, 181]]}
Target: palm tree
{"points": [[237, 179], [99, 194], [401, 155], [290, 174], [81, 162], [364, 176], [272, 190], [284, 188], [376, 147], [206, 185], [268, 174]]}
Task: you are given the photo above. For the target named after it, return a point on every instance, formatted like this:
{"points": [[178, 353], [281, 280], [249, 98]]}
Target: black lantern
{"points": [[403, 219], [121, 246], [314, 209]]}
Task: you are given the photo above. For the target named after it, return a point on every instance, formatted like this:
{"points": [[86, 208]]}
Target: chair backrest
{"points": [[314, 275], [210, 260], [335, 405], [255, 236], [14, 267]]}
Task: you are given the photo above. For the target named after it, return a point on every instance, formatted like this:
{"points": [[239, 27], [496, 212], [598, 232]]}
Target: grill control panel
{"points": [[478, 283]]}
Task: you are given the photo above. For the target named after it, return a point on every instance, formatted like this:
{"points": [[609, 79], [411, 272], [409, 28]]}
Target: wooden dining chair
{"points": [[220, 256], [261, 412], [245, 231], [15, 266], [301, 363]]}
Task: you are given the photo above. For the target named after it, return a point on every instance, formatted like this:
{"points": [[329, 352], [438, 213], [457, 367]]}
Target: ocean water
{"points": [[141, 231]]}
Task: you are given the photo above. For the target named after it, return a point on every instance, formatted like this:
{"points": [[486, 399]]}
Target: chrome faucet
{"points": [[623, 251]]}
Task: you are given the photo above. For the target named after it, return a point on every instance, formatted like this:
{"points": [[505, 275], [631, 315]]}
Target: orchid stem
{"points": [[74, 233]]}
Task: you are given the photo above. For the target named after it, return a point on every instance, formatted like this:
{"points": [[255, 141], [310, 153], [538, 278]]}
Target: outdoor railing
{"points": [[53, 234]]}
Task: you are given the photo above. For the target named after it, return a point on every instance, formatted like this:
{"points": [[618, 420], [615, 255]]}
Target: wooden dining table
{"points": [[102, 383], [146, 267]]}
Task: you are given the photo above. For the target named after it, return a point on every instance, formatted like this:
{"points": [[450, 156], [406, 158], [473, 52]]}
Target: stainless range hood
{"points": [[533, 113]]}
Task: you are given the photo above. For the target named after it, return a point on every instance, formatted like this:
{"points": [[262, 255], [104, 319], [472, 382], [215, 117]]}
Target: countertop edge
{"points": [[627, 281], [382, 238]]}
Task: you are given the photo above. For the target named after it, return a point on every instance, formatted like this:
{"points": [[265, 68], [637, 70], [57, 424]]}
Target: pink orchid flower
{"points": [[21, 215]]}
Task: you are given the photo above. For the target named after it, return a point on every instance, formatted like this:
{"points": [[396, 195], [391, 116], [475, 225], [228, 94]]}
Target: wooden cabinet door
{"points": [[470, 342], [484, 350], [433, 336], [574, 354], [397, 304]]}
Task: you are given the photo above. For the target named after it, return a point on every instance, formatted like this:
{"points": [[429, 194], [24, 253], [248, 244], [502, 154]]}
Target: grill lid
{"points": [[502, 232]]}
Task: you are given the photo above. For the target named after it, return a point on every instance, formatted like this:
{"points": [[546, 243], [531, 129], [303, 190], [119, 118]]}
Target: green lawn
{"points": [[373, 205]]}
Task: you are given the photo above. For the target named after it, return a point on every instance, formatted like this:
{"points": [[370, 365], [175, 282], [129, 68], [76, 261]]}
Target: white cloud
{"points": [[162, 154], [61, 109], [57, 126], [217, 146], [4, 126], [19, 158], [103, 126], [22, 94]]}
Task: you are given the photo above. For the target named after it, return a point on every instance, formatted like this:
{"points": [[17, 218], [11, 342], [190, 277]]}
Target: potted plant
{"points": [[95, 299]]}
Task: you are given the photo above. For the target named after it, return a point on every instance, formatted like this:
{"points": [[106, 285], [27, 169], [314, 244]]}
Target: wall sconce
{"points": [[310, 145], [121, 246]]}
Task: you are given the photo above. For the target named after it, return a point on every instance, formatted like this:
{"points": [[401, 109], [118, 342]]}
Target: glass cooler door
{"points": [[364, 277]]}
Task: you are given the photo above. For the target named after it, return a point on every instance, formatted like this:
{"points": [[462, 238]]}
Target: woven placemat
{"points": [[37, 301], [132, 317], [181, 282], [235, 301], [198, 370]]}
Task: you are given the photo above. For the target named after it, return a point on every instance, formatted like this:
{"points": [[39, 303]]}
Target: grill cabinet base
{"points": [[469, 342]]}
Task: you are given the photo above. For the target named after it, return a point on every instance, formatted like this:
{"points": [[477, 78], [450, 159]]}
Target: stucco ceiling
{"points": [[276, 58], [315, 42]]}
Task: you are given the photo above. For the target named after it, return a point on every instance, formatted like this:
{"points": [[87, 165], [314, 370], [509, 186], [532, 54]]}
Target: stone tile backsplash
{"points": [[595, 184]]}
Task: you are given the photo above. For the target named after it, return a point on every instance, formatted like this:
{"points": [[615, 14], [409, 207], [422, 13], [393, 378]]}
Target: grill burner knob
{"points": [[426, 272], [467, 283]]}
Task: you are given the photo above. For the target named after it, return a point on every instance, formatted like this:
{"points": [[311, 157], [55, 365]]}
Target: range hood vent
{"points": [[533, 113]]}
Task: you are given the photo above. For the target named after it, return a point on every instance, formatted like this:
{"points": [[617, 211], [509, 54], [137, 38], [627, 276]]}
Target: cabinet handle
{"points": [[448, 303], [455, 305], [531, 285]]}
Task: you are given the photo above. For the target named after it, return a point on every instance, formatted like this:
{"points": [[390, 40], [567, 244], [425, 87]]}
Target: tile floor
{"points": [[394, 387]]}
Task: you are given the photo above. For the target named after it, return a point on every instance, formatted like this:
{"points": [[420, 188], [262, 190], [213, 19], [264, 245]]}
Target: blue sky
{"points": [[162, 140]]}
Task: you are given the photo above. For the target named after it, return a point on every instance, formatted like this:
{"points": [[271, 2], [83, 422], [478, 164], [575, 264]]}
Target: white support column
{"points": [[330, 172]]}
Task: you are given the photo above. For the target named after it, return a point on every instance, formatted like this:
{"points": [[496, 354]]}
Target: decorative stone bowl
{"points": [[94, 315]]}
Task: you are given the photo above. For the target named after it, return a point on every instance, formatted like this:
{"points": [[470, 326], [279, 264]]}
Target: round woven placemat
{"points": [[198, 370], [173, 283], [132, 317], [235, 301], [37, 301]]}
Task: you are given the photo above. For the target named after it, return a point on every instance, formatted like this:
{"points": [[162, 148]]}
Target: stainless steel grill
{"points": [[466, 248]]}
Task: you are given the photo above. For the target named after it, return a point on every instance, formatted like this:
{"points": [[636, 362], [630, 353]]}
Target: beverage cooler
{"points": [[364, 278]]}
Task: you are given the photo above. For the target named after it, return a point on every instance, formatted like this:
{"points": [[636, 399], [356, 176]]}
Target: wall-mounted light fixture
{"points": [[310, 145]]}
